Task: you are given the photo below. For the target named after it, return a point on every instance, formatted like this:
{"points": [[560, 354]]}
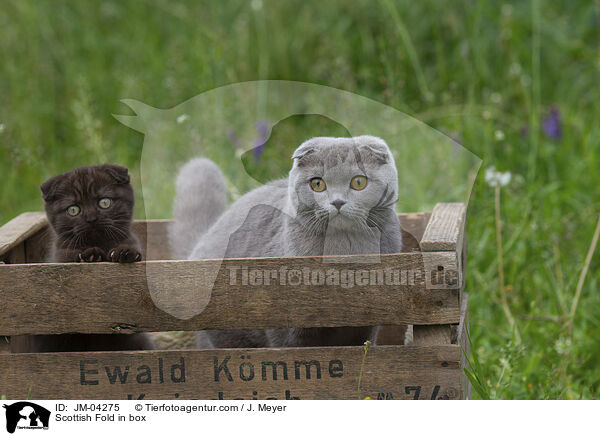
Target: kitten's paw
{"points": [[93, 254], [124, 254]]}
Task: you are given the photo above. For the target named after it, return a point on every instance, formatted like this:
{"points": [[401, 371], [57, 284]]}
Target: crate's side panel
{"points": [[394, 372], [391, 335], [450, 225], [465, 347], [432, 334], [413, 226], [15, 239], [445, 228], [14, 232]]}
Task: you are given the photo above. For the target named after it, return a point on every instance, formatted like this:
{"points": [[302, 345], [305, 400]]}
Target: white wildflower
{"points": [[496, 98], [2, 127], [562, 345], [515, 69], [499, 135], [496, 178], [182, 118], [256, 5]]}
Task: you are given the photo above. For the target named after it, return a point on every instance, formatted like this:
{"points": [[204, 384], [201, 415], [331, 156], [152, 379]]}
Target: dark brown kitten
{"points": [[90, 212]]}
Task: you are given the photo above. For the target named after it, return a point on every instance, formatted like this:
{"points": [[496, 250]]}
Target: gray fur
{"points": [[200, 199], [288, 218]]}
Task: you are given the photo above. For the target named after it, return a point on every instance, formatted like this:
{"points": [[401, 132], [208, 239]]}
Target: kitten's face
{"points": [[89, 205], [342, 182]]}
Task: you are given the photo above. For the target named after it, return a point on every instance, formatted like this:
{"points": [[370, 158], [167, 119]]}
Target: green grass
{"points": [[481, 72]]}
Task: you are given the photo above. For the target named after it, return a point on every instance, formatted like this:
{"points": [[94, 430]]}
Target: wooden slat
{"points": [[390, 372], [445, 229], [20, 228], [432, 334], [107, 297], [391, 335], [465, 346], [462, 260]]}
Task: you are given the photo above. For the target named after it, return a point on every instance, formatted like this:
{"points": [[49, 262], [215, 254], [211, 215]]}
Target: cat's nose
{"points": [[338, 204], [91, 219]]}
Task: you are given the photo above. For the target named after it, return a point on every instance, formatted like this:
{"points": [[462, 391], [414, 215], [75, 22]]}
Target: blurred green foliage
{"points": [[485, 73]]}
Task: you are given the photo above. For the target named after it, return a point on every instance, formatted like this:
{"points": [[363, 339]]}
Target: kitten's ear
{"points": [[302, 152], [379, 156], [117, 172], [49, 187]]}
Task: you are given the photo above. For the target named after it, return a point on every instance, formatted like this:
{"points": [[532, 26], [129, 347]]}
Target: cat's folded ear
{"points": [[117, 172], [49, 187], [375, 153], [302, 152]]}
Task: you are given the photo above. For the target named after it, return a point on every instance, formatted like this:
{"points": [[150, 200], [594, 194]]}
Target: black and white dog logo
{"points": [[26, 415]]}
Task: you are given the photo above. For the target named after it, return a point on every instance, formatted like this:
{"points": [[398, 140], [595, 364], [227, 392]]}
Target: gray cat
{"points": [[338, 199]]}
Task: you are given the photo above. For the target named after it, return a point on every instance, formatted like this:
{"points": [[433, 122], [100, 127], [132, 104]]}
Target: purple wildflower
{"points": [[551, 124], [262, 127]]}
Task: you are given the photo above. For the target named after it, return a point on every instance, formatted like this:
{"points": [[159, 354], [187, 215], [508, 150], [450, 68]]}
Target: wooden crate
{"points": [[40, 298]]}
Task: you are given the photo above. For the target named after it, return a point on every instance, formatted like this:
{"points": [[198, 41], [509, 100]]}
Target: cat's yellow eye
{"points": [[358, 183], [104, 203], [73, 210], [318, 184]]}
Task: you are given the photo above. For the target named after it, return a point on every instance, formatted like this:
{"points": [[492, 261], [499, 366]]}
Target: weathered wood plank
{"points": [[390, 372], [247, 293], [432, 334], [462, 260], [445, 229], [391, 335], [20, 228], [465, 346]]}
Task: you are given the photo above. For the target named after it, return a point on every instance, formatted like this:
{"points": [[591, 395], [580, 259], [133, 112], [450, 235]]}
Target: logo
{"points": [[26, 415]]}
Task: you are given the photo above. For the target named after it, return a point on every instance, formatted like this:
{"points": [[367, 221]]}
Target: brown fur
{"points": [[94, 235]]}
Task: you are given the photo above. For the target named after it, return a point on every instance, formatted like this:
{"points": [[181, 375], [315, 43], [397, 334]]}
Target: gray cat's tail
{"points": [[200, 198]]}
